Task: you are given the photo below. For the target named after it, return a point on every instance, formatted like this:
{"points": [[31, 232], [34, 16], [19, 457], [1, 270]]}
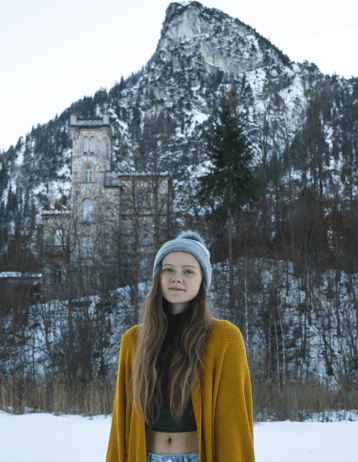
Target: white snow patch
{"points": [[20, 156], [199, 117], [123, 124], [41, 188], [12, 274], [329, 133]]}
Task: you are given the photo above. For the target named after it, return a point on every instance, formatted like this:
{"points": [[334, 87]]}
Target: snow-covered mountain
{"points": [[201, 51]]}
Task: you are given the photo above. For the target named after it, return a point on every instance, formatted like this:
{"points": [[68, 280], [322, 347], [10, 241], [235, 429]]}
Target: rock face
{"points": [[212, 40]]}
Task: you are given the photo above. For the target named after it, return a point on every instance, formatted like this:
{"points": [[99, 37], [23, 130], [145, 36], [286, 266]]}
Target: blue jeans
{"points": [[187, 457]]}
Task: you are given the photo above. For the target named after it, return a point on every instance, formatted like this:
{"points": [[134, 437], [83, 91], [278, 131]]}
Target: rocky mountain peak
{"points": [[210, 40], [186, 20]]}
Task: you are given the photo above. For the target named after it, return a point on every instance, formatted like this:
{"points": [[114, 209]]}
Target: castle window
{"points": [[149, 200], [87, 210], [88, 173], [85, 146], [86, 246], [141, 199], [92, 145], [58, 237], [145, 235], [56, 275]]}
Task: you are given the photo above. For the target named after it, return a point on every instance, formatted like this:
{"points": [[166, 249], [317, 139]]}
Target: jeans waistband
{"points": [[186, 457]]}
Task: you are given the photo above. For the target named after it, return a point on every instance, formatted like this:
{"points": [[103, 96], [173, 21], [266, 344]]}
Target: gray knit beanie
{"points": [[190, 242]]}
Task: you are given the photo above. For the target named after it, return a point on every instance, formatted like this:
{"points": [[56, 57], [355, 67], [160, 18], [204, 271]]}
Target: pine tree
{"points": [[11, 205], [27, 203], [230, 185], [4, 178]]}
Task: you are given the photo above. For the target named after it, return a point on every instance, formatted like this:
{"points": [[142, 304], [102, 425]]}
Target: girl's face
{"points": [[180, 279]]}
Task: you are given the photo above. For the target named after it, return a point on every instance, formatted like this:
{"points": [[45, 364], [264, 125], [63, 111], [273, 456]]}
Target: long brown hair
{"points": [[147, 374]]}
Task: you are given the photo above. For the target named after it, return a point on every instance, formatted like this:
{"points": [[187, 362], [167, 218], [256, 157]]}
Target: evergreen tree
{"points": [[11, 205], [27, 203], [136, 120], [230, 185], [4, 177]]}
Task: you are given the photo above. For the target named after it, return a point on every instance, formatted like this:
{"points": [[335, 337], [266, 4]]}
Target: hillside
{"points": [[201, 51]]}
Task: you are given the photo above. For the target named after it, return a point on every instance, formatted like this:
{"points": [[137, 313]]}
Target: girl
{"points": [[183, 390]]}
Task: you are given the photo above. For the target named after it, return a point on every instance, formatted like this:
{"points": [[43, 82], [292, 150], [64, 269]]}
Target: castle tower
{"points": [[92, 144]]}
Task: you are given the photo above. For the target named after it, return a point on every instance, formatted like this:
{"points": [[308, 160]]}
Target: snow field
{"points": [[71, 438]]}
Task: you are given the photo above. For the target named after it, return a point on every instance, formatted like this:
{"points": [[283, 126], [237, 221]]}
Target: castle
{"points": [[112, 220]]}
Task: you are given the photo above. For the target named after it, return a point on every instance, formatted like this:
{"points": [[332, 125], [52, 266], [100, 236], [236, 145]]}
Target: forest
{"points": [[284, 259]]}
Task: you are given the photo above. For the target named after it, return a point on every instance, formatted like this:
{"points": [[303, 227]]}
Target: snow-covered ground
{"points": [[68, 438]]}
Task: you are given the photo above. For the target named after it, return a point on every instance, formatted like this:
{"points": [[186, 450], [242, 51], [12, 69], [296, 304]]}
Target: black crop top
{"points": [[166, 422]]}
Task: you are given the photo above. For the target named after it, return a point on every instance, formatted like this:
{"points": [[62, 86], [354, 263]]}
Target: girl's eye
{"points": [[171, 270]]}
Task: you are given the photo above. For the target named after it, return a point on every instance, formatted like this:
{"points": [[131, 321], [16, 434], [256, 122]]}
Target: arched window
{"points": [[141, 199], [56, 274], [86, 246], [87, 210], [58, 237], [149, 200], [92, 145], [85, 145], [88, 173], [145, 235]]}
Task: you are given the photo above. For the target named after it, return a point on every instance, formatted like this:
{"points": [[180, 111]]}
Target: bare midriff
{"points": [[171, 443]]}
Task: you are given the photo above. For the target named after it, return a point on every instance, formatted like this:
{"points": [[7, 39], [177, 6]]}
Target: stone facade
{"points": [[105, 208]]}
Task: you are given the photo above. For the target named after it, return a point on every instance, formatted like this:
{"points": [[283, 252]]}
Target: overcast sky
{"points": [[53, 52]]}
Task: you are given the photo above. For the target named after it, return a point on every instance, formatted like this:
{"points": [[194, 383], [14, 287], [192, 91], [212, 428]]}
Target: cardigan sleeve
{"points": [[233, 427], [116, 446]]}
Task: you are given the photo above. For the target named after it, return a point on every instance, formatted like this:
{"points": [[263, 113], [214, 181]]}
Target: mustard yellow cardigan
{"points": [[222, 402]]}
